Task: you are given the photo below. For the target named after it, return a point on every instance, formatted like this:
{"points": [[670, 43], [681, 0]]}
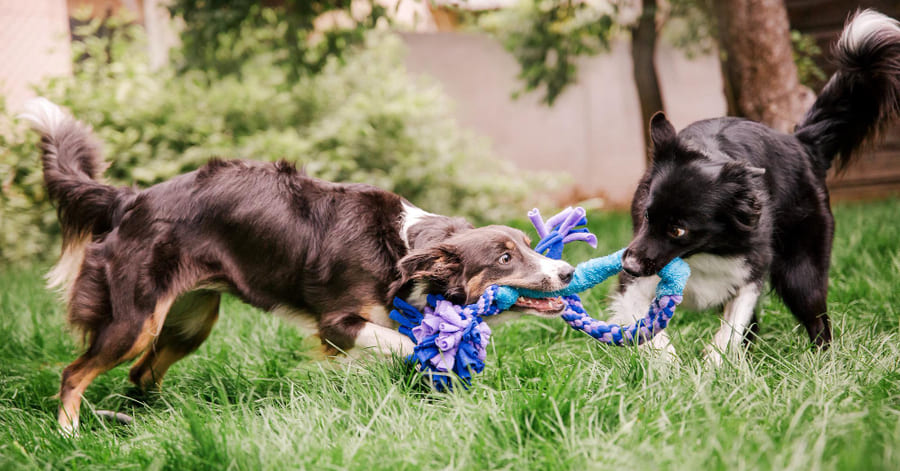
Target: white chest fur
{"points": [[714, 280]]}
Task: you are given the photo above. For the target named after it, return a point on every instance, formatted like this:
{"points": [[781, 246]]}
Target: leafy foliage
{"points": [[222, 35], [27, 221], [806, 53], [547, 37], [690, 26], [363, 121]]}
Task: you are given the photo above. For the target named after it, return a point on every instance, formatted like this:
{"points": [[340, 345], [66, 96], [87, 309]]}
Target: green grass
{"points": [[550, 398]]}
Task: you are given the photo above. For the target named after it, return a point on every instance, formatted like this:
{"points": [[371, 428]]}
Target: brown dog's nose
{"points": [[566, 274]]}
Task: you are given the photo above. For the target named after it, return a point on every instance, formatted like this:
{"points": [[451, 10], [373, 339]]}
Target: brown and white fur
{"points": [[143, 271]]}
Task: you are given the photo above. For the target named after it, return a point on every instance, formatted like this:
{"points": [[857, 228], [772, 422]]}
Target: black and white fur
{"points": [[741, 202]]}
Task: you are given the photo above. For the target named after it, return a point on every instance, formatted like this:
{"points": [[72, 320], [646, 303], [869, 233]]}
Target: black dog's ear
{"points": [[730, 172], [441, 266], [662, 133], [744, 185], [740, 173]]}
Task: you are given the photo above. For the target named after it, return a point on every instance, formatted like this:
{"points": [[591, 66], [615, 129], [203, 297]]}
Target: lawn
{"points": [[252, 397]]}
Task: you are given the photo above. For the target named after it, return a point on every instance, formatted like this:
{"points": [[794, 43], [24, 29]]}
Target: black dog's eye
{"points": [[646, 215], [504, 259], [676, 232]]}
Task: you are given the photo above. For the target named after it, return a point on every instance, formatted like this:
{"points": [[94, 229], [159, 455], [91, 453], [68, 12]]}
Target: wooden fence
{"points": [[877, 173]]}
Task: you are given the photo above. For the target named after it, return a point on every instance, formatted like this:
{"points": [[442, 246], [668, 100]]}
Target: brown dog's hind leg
{"points": [[188, 324], [121, 340]]}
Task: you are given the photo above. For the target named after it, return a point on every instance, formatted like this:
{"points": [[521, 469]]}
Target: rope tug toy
{"points": [[453, 339]]}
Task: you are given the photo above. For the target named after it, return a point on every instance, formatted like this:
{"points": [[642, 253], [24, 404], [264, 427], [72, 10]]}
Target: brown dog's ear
{"points": [[441, 266], [662, 133], [432, 262]]}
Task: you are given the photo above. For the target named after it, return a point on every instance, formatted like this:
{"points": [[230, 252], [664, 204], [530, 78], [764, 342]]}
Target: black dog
{"points": [[739, 200], [144, 270]]}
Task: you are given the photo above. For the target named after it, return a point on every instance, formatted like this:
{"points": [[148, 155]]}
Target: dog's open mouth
{"points": [[544, 306]]}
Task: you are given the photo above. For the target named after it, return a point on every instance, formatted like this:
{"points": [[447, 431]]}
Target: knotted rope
{"points": [[453, 339]]}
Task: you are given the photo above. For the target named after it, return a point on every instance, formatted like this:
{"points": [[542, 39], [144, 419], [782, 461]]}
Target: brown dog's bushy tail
{"points": [[862, 97], [72, 161]]}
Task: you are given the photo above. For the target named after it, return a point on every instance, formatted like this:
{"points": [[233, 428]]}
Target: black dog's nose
{"points": [[566, 274], [632, 266]]}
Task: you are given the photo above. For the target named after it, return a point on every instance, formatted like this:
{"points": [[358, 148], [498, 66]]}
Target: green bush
{"points": [[222, 35], [28, 225], [361, 119], [806, 54], [547, 38]]}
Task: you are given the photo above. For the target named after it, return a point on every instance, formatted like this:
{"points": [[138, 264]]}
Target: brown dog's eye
{"points": [[676, 232], [504, 259], [646, 215]]}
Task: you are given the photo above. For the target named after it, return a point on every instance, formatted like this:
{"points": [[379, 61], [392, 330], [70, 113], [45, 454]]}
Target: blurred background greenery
{"points": [[244, 86], [327, 84]]}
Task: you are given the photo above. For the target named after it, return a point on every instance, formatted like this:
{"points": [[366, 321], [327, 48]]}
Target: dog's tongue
{"points": [[541, 304]]}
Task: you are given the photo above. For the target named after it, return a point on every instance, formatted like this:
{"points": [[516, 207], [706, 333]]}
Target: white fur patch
{"points": [[552, 269], [377, 314], [382, 340], [714, 280], [737, 317], [633, 304], [410, 217], [62, 275], [304, 320], [190, 313], [188, 326], [863, 26], [44, 116]]}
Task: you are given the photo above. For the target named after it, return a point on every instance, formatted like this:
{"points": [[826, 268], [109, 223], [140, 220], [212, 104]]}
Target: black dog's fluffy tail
{"points": [[72, 161], [862, 96]]}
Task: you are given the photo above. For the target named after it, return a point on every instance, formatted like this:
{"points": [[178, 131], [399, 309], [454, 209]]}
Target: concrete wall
{"points": [[34, 43], [594, 130]]}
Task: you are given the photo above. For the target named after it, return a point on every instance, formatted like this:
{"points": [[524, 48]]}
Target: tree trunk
{"points": [[643, 48], [758, 63]]}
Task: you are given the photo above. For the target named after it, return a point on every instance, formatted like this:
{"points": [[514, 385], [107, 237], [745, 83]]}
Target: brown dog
{"points": [[144, 270]]}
